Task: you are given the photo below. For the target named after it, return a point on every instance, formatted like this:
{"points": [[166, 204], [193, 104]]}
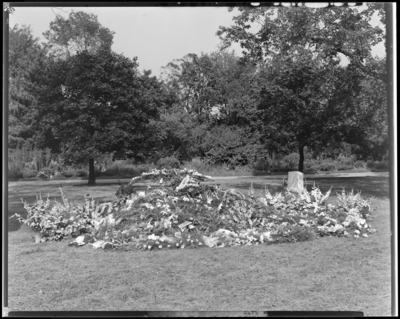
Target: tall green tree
{"points": [[305, 103], [305, 96], [25, 55], [80, 32], [95, 103]]}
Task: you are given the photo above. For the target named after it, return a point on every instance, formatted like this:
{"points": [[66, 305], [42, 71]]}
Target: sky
{"points": [[155, 35]]}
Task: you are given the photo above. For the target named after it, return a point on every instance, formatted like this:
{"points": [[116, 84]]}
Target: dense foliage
{"points": [[98, 100], [25, 55]]}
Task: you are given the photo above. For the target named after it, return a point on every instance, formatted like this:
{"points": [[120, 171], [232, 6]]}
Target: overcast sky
{"points": [[155, 35]]}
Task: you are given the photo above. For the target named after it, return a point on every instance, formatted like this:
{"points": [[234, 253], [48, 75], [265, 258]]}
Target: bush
{"points": [[54, 222], [381, 164], [80, 173], [198, 165], [346, 160], [312, 164], [327, 166], [29, 173], [370, 164], [45, 172], [15, 173], [122, 168], [291, 161], [67, 173], [359, 164], [377, 165], [261, 165], [234, 146], [343, 167], [168, 162]]}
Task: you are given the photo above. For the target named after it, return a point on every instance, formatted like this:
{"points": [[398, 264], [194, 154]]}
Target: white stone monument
{"points": [[296, 182]]}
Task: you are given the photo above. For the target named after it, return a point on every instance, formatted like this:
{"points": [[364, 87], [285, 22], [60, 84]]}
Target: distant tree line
{"points": [[289, 91]]}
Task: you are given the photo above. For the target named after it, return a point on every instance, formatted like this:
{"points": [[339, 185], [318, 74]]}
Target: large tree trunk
{"points": [[301, 162], [92, 177]]}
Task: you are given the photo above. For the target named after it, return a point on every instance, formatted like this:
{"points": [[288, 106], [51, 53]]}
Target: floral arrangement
{"points": [[188, 214]]}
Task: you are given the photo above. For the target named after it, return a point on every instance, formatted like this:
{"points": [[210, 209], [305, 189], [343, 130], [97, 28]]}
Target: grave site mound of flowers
{"points": [[184, 213]]}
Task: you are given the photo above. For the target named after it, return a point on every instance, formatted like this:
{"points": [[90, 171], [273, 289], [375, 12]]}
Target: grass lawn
{"points": [[325, 274]]}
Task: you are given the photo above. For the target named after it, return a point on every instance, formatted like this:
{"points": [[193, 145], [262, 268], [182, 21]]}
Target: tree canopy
{"points": [[80, 32], [25, 55], [94, 103], [306, 97]]}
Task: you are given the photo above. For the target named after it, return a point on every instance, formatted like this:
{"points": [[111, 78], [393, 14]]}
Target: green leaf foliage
{"points": [[95, 103], [25, 55]]}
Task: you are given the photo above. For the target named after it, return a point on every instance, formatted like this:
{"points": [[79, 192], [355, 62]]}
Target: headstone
{"points": [[295, 182]]}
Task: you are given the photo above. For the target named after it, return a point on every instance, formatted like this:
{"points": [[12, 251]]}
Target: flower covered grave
{"points": [[184, 213]]}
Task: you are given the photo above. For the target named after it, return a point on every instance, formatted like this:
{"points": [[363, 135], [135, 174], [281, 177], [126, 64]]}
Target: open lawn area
{"points": [[328, 273]]}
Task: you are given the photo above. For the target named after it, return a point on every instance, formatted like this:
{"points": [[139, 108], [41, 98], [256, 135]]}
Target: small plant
{"points": [[59, 220], [300, 234]]}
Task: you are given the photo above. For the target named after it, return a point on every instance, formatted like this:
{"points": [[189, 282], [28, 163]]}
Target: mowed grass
{"points": [[325, 274]]}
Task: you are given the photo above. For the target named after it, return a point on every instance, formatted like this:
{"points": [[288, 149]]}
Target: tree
{"points": [[326, 32], [305, 103], [371, 129], [305, 96], [208, 81], [80, 32], [213, 90], [25, 54], [94, 103]]}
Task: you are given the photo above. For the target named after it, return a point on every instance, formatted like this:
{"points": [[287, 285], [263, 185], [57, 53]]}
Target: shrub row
{"points": [[273, 164], [45, 173], [290, 162], [378, 164]]}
